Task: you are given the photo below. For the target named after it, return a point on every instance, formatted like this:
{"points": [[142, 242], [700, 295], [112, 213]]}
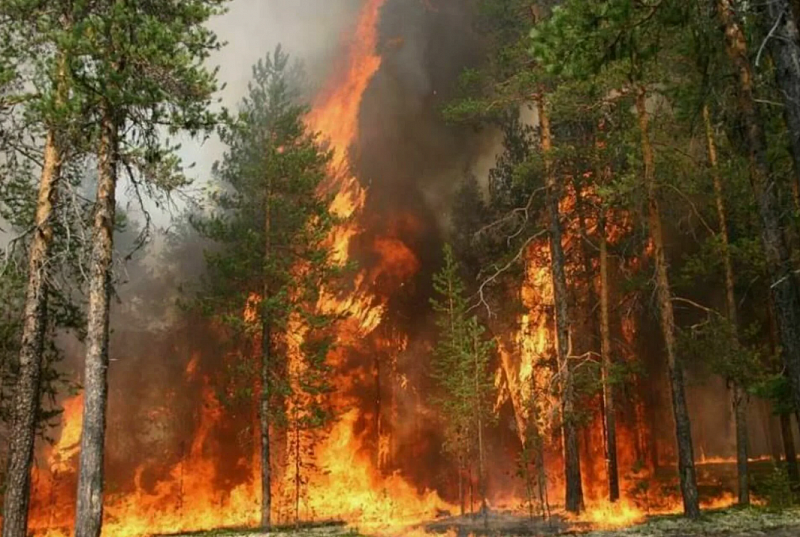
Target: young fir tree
{"points": [[270, 226], [461, 366]]}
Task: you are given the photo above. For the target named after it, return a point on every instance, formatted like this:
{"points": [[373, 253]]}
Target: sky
{"points": [[309, 30]]}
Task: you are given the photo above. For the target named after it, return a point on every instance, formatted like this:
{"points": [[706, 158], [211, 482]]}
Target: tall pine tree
{"points": [[270, 225]]}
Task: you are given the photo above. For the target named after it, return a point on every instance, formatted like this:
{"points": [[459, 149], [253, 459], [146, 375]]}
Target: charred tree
{"points": [[609, 412], [738, 393], [572, 464], [789, 451], [683, 431], [783, 283]]}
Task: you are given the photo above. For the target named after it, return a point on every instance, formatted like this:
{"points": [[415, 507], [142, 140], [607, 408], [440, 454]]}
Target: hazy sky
{"points": [[311, 30]]}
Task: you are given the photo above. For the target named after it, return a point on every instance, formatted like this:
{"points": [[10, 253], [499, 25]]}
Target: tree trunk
{"points": [[788, 448], [603, 328], [795, 6], [266, 366], [572, 463], [263, 415], [461, 496], [683, 431], [783, 283], [89, 511], [476, 345], [297, 468], [608, 389], [738, 394], [785, 50], [26, 395]]}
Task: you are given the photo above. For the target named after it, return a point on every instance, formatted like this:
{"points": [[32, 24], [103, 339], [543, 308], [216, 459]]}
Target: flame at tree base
{"points": [[351, 490]]}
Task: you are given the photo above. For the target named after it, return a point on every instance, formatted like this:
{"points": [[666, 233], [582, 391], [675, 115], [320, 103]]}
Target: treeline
{"points": [[650, 150]]}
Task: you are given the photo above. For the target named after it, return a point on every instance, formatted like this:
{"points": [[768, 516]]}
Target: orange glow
{"points": [[63, 452], [607, 515]]}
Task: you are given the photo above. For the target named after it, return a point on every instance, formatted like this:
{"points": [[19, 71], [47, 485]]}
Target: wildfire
{"points": [[62, 453], [352, 489], [345, 479]]}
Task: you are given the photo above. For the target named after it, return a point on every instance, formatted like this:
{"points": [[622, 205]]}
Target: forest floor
{"points": [[754, 522]]}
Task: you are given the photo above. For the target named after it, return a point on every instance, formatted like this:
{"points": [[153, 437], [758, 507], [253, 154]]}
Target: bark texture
{"points": [[609, 415], [783, 284], [26, 395], [779, 23], [789, 451], [266, 367], [89, 510], [572, 463], [479, 424], [683, 431], [738, 394]]}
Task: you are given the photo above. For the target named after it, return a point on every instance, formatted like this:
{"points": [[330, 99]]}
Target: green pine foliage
{"points": [[268, 227]]}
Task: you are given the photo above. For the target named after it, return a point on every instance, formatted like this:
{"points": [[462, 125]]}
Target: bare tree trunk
{"points": [[479, 424], [572, 463], [266, 366], [541, 477], [738, 394], [471, 493], [297, 467], [608, 388], [263, 415], [461, 484], [26, 395], [783, 285], [795, 8], [779, 23], [788, 448], [683, 431], [89, 511]]}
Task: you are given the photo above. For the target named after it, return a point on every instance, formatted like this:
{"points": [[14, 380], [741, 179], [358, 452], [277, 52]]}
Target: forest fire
{"points": [[384, 463], [346, 485]]}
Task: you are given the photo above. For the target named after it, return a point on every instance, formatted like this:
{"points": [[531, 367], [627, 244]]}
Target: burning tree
{"points": [[272, 260]]}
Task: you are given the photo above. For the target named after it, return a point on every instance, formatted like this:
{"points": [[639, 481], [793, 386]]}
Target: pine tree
{"points": [[495, 95], [271, 224], [571, 46], [141, 66], [36, 102], [784, 288]]}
